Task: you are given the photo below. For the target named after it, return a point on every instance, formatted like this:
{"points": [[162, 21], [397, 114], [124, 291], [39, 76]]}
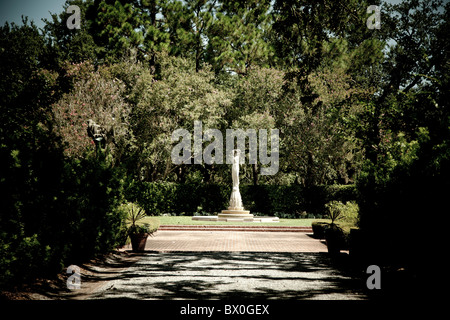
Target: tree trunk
{"points": [[309, 177], [181, 173], [255, 174]]}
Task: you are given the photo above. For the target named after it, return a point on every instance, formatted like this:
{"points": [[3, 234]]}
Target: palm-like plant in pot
{"points": [[138, 232], [333, 234]]}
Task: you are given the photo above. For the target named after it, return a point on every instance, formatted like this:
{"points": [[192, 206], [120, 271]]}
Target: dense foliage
{"points": [[285, 201], [353, 106]]}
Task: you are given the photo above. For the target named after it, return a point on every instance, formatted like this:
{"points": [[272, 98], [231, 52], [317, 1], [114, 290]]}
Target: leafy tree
{"points": [[172, 99], [238, 36], [302, 27], [27, 149], [74, 45], [44, 194], [26, 84], [332, 64], [97, 98], [257, 104], [406, 172], [319, 138], [120, 26], [409, 29], [188, 23]]}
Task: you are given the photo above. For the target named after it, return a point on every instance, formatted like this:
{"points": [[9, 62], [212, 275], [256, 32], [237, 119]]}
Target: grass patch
{"points": [[187, 220]]}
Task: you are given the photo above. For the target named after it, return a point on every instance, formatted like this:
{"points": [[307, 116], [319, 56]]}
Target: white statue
{"points": [[235, 199]]}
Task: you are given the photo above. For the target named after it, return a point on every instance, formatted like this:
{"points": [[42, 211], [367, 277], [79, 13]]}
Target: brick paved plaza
{"points": [[243, 241]]}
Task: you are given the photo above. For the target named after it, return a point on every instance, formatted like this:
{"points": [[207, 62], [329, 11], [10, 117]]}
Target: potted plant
{"points": [[138, 236], [334, 239], [333, 233], [138, 233]]}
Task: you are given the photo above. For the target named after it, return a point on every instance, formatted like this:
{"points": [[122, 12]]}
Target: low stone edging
{"points": [[234, 228]]}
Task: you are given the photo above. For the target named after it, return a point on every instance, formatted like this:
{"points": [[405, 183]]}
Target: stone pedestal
{"points": [[227, 216], [235, 210]]}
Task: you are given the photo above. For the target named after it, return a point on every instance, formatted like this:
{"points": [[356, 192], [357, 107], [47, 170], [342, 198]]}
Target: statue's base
{"points": [[236, 212], [235, 215]]}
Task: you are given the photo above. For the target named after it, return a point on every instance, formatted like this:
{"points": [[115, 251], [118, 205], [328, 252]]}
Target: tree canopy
{"points": [[340, 93]]}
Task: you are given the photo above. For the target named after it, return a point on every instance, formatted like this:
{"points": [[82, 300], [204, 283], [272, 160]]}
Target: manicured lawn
{"points": [[187, 220]]}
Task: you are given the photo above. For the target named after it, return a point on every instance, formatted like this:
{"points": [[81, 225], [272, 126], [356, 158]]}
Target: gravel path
{"points": [[231, 275], [211, 265]]}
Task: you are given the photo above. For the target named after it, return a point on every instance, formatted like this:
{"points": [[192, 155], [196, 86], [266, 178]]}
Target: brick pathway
{"points": [[165, 241]]}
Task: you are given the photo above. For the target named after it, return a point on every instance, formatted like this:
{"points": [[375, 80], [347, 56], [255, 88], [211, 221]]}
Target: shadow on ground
{"points": [[232, 275], [94, 274]]}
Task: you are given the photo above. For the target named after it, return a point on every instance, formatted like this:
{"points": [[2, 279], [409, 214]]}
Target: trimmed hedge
{"points": [[157, 198], [318, 228]]}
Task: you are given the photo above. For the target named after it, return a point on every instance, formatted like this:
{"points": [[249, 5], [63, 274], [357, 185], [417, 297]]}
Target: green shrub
{"points": [[65, 215], [212, 198], [334, 210], [350, 213], [96, 190], [133, 223], [22, 257], [284, 201], [318, 228], [157, 198], [347, 213], [133, 212]]}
